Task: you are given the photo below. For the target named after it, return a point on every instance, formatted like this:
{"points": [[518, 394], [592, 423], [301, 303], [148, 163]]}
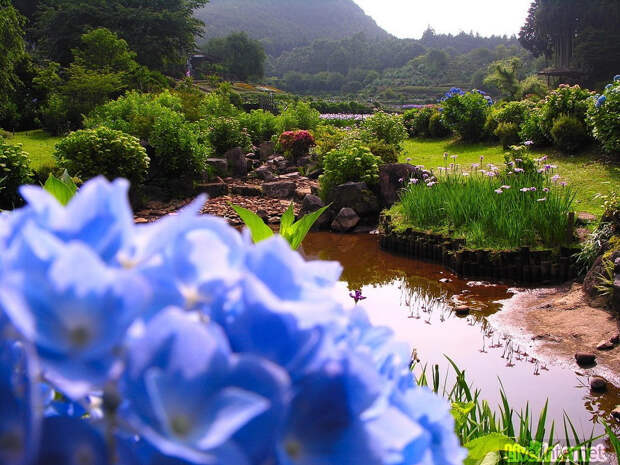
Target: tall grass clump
{"points": [[522, 204], [503, 435]]}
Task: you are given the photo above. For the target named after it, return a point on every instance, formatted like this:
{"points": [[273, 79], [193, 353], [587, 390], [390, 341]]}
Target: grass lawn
{"points": [[588, 173], [39, 145]]}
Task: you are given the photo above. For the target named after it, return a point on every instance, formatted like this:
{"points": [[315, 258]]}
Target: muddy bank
{"points": [[559, 322]]}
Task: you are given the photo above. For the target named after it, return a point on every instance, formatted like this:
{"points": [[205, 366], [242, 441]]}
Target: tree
{"points": [[162, 32], [11, 48], [241, 57], [505, 77], [576, 34]]}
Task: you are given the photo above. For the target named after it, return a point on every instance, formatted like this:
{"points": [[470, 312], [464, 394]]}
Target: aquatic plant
{"points": [[523, 204], [181, 342]]}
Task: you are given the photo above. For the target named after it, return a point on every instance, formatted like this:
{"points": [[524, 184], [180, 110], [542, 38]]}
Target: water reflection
{"points": [[417, 300]]}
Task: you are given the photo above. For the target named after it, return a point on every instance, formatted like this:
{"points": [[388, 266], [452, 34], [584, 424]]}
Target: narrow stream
{"points": [[416, 298]]}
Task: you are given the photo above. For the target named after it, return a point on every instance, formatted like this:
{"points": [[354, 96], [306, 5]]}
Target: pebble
{"points": [[585, 358], [605, 345], [462, 310], [616, 412], [598, 384]]}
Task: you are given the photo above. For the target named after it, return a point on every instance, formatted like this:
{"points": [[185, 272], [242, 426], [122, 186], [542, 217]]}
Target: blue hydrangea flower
{"points": [[19, 417], [71, 441], [73, 308], [192, 398]]}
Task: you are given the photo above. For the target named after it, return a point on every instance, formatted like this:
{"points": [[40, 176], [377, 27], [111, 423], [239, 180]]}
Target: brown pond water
{"points": [[416, 298]]}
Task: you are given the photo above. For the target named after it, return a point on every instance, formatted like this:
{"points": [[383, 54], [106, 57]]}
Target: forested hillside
{"points": [[285, 24]]}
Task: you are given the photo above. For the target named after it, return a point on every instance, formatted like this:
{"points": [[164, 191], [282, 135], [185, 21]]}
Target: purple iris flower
{"points": [[357, 296]]}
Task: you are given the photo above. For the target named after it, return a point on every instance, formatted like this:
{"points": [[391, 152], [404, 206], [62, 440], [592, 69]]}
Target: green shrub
{"points": [[421, 122], [135, 113], [511, 112], [14, 172], [103, 151], [260, 124], [466, 115], [531, 129], [298, 116], [436, 128], [329, 138], [569, 133], [178, 148], [604, 119], [388, 153], [565, 100], [226, 133], [384, 127], [408, 119], [352, 162], [220, 103], [508, 134]]}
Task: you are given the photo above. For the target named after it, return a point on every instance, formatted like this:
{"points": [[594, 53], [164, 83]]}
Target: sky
{"points": [[410, 18]]}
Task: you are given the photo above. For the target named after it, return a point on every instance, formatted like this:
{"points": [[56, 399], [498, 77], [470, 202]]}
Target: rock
{"points": [[615, 298], [264, 173], [605, 345], [265, 150], [345, 220], [615, 339], [598, 384], [140, 220], [616, 412], [310, 204], [246, 191], [585, 358], [617, 265], [279, 189], [357, 196], [304, 161], [292, 176], [219, 165], [280, 162], [363, 230], [237, 163], [300, 194], [263, 215], [392, 177], [462, 310], [591, 280], [252, 156], [214, 189]]}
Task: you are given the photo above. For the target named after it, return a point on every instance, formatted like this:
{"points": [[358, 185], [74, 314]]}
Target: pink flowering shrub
{"points": [[296, 144]]}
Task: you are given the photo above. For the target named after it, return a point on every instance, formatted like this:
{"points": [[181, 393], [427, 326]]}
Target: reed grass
{"points": [[493, 208]]}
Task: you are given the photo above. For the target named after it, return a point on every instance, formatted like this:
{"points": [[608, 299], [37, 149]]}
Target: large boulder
{"points": [[392, 178], [279, 189], [237, 162], [310, 204], [357, 196], [345, 220], [219, 165], [263, 172]]}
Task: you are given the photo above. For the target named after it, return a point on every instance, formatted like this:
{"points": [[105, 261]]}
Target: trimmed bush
{"points": [[565, 100], [388, 153], [421, 122], [466, 115], [604, 118], [352, 162], [569, 133], [103, 151], [226, 133], [436, 128], [384, 127], [508, 134], [14, 172]]}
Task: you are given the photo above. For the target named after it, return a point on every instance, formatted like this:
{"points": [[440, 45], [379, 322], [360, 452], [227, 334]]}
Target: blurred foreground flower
{"points": [[181, 342]]}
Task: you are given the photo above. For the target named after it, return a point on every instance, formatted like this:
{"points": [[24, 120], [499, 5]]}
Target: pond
{"points": [[416, 299]]}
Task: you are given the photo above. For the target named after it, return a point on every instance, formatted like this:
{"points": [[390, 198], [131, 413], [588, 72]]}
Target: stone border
{"points": [[522, 266]]}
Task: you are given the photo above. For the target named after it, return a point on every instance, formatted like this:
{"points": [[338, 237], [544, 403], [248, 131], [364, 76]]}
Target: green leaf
{"points": [[287, 220], [492, 458], [300, 229], [481, 447], [259, 230], [460, 411], [63, 191]]}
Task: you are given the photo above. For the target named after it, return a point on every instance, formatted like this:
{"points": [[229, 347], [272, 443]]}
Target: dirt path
{"points": [[558, 322]]}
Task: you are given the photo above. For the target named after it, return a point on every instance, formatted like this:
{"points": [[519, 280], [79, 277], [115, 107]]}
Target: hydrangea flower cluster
{"points": [[181, 342]]}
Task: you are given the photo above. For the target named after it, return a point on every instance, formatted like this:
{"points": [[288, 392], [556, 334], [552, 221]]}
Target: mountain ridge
{"points": [[283, 25]]}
